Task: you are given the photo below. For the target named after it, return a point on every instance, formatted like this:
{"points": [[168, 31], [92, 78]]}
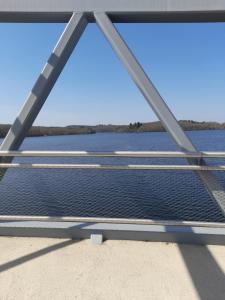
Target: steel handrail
{"points": [[137, 154], [141, 154], [113, 167]]}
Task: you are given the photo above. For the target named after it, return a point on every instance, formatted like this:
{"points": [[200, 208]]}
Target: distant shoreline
{"points": [[187, 125]]}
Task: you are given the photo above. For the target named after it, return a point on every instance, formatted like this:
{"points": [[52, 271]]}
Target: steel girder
{"points": [[119, 11]]}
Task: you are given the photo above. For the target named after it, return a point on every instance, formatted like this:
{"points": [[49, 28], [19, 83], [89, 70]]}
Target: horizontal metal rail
{"points": [[155, 154], [112, 167], [13, 218], [140, 154]]}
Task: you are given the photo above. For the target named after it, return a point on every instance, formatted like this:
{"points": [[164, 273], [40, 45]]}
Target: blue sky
{"points": [[186, 62]]}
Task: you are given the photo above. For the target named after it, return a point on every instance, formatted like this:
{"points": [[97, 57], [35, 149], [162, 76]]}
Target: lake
{"points": [[167, 195]]}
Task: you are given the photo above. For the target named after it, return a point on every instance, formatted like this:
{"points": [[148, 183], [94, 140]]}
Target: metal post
{"points": [[157, 103], [44, 84]]}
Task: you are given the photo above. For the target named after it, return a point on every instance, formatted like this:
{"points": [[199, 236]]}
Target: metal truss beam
{"points": [[157, 103], [44, 84], [142, 10], [119, 11]]}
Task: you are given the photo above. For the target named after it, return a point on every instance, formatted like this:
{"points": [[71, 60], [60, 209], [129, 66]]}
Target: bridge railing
{"points": [[125, 154]]}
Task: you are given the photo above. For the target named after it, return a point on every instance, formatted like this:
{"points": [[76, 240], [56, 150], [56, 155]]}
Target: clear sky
{"points": [[186, 62]]}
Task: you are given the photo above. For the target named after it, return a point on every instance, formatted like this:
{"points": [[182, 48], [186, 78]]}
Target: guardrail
{"points": [[164, 154], [114, 228], [125, 154]]}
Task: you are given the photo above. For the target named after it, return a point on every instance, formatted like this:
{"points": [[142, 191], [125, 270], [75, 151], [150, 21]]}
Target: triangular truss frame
{"points": [[53, 68]]}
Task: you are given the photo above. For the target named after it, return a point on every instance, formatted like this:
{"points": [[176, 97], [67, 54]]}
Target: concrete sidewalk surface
{"points": [[38, 268]]}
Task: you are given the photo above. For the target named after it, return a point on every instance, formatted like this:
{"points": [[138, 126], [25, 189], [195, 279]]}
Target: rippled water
{"points": [[164, 195]]}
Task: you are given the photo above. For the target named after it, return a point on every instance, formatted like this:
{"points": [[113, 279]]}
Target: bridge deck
{"points": [[37, 268]]}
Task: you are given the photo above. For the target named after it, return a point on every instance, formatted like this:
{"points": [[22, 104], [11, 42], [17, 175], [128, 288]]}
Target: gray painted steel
{"points": [[157, 104], [44, 84], [119, 11], [165, 223], [143, 82], [113, 167], [141, 154], [81, 230]]}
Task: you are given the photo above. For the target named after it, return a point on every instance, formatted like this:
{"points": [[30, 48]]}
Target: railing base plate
{"points": [[83, 230]]}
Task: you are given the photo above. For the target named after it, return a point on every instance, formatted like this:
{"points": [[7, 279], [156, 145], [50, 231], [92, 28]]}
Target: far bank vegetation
{"points": [[132, 127]]}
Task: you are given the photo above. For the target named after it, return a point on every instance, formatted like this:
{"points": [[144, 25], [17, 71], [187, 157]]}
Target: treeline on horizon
{"points": [[132, 127]]}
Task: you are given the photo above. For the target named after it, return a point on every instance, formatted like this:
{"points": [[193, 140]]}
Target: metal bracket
{"points": [[96, 238]]}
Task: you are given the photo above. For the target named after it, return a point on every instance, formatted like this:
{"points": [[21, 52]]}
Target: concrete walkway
{"points": [[36, 268]]}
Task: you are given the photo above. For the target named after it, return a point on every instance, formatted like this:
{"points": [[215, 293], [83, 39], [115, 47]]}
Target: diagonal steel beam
{"points": [[157, 103], [44, 84]]}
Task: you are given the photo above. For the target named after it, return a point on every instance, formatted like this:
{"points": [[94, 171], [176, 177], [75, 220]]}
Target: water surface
{"points": [[164, 195]]}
